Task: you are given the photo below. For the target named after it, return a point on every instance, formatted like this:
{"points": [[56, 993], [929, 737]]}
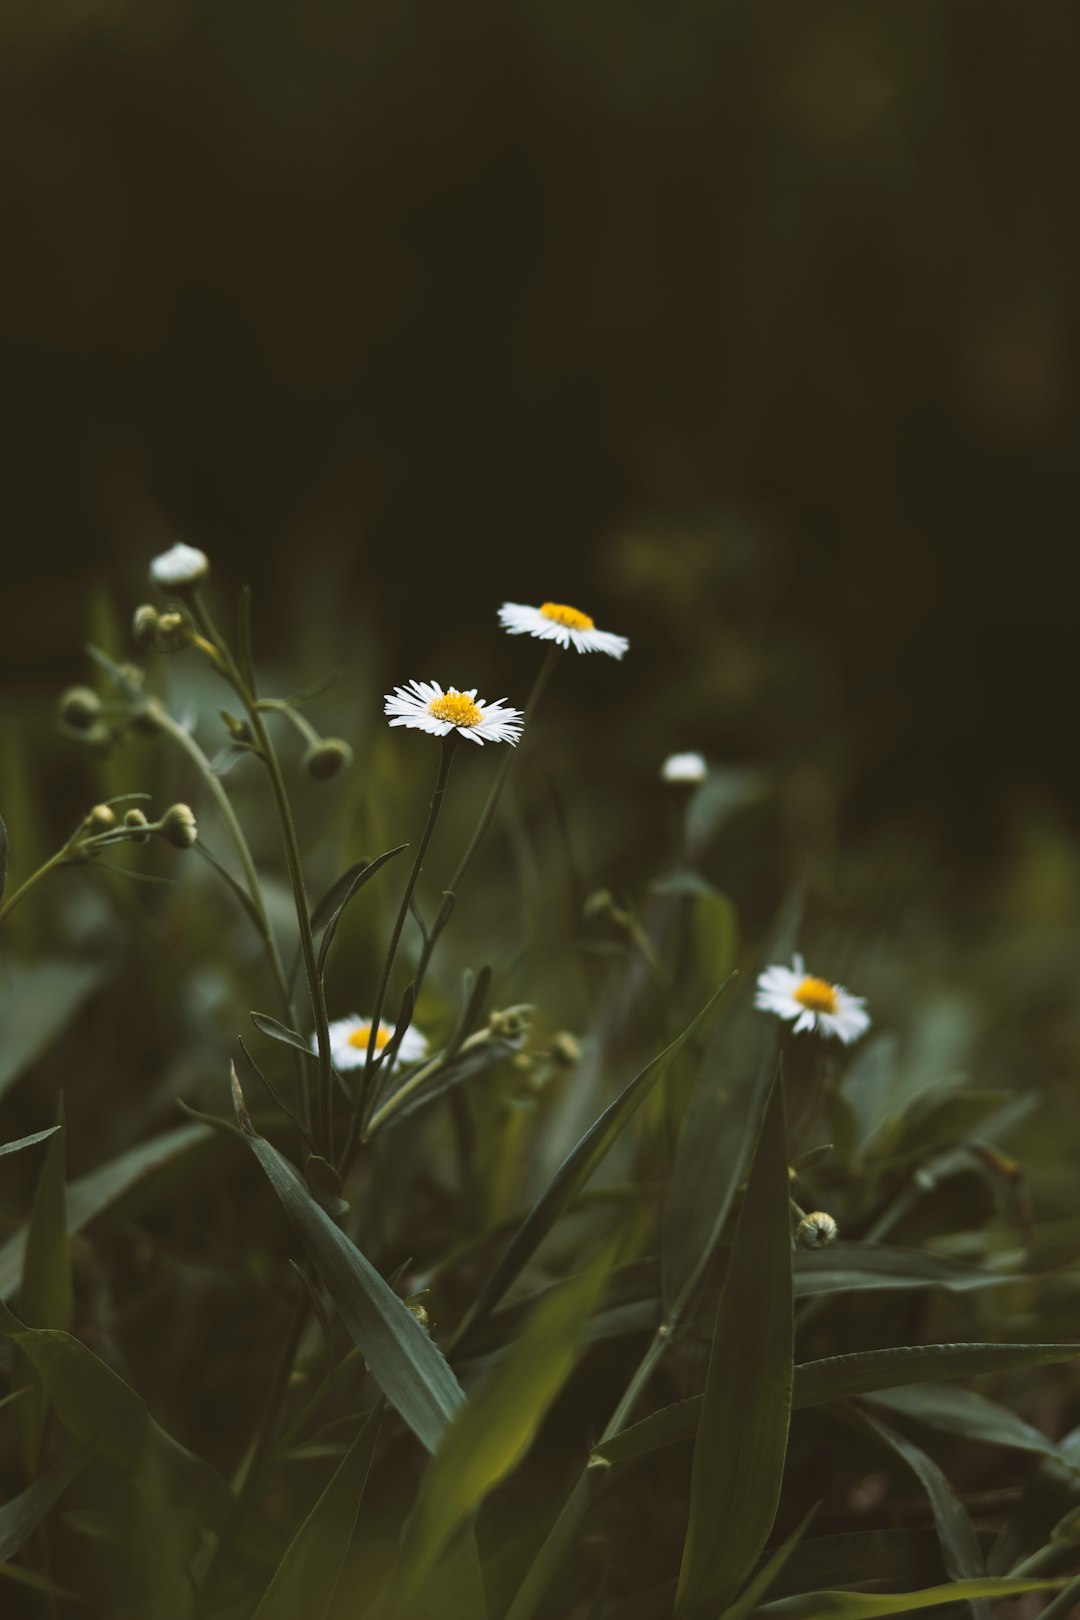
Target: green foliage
{"points": [[509, 1335]]}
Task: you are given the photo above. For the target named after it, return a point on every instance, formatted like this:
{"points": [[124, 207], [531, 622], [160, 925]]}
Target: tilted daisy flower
{"points": [[424, 706], [684, 768], [811, 1003], [349, 1042], [554, 621], [179, 566]]}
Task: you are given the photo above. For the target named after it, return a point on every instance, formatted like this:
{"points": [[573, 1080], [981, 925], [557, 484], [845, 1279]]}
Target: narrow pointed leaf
{"points": [[92, 1194], [402, 1357], [20, 1517], [575, 1171], [962, 1412], [959, 1543], [360, 875], [27, 1141], [488, 1438], [746, 1407], [872, 1605], [836, 1378], [245, 662], [36, 1005], [46, 1297], [721, 1125], [767, 1575], [306, 1579], [5, 848], [281, 1032]]}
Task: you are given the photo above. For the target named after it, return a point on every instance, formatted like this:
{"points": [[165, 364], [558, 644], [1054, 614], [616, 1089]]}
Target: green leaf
{"points": [[575, 1171], [746, 1407], [237, 889], [92, 1194], [767, 1575], [5, 848], [46, 1297], [871, 1605], [402, 1357], [555, 1551], [489, 1437], [959, 1544], [37, 1583], [846, 1267], [20, 1517], [360, 876], [962, 1412], [306, 1579], [836, 1378], [36, 1006], [94, 1404], [281, 1032], [720, 1126], [459, 1581], [28, 1141]]}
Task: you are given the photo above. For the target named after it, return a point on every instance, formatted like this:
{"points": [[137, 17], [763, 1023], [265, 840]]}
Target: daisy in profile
{"points": [[349, 1042], [684, 768], [424, 706], [811, 1003], [554, 621]]}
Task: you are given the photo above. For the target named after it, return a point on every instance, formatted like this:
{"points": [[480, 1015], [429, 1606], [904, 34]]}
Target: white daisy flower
{"points": [[684, 768], [812, 1003], [424, 706], [554, 621], [349, 1042], [181, 565]]}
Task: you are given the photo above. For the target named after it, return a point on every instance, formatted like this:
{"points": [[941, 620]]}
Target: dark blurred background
{"points": [[750, 328]]}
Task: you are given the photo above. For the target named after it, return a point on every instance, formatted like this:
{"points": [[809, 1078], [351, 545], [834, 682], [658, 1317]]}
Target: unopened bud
{"points": [[179, 568], [102, 818], [599, 904], [178, 826], [566, 1049], [79, 708], [817, 1230], [138, 825], [172, 632], [512, 1024], [144, 625], [419, 1310], [327, 758], [684, 768]]}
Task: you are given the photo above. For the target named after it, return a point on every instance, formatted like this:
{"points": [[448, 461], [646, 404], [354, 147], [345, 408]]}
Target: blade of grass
{"points": [[742, 1434]]}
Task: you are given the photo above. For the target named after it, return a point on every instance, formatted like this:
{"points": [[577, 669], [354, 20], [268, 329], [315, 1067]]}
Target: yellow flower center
{"points": [[362, 1034], [456, 709], [816, 995], [570, 618]]}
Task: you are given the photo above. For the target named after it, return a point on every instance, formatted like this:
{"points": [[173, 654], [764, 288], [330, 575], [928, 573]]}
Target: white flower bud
{"points": [[179, 568], [684, 768], [102, 818], [80, 706], [817, 1230], [138, 825]]}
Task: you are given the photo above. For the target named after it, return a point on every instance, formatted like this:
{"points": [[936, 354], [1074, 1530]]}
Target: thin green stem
{"points": [[446, 759], [33, 880], [268, 754], [184, 740]]}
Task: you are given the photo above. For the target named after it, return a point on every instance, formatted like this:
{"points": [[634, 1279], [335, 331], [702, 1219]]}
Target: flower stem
{"points": [[487, 815], [269, 757], [186, 741], [33, 880], [446, 759]]}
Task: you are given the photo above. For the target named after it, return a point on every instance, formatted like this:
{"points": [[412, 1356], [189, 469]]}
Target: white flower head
{"points": [[180, 566], [554, 621], [684, 768], [811, 1003], [424, 706], [349, 1042]]}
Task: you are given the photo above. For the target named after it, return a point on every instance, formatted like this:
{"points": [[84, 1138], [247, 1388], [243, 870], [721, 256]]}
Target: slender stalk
{"points": [[184, 740], [263, 1439], [487, 815], [446, 759], [34, 879], [268, 754]]}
